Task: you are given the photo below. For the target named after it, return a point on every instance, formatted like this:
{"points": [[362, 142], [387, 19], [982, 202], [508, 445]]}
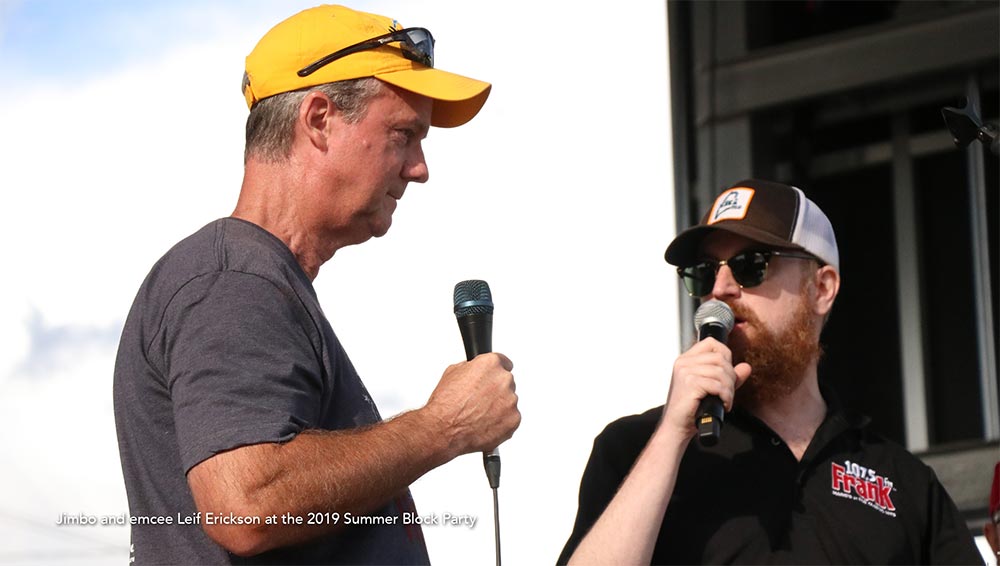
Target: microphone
{"points": [[713, 319], [474, 311]]}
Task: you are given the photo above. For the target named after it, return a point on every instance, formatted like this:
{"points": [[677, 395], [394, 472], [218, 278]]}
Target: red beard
{"points": [[778, 360]]}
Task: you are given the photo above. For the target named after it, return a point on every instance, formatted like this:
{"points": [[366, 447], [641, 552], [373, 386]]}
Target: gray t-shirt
{"points": [[226, 346]]}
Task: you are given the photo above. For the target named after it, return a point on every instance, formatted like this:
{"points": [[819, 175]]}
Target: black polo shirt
{"points": [[855, 498]]}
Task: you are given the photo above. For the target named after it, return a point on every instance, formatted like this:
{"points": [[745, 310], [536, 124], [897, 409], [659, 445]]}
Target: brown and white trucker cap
{"points": [[776, 215]]}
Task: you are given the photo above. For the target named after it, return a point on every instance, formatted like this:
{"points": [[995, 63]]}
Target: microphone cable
{"points": [[496, 522], [491, 462]]}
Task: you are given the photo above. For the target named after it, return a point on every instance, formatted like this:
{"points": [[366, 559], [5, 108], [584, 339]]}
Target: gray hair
{"points": [[272, 120]]}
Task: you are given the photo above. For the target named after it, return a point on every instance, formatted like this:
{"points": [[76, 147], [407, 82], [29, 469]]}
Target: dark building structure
{"points": [[844, 100]]}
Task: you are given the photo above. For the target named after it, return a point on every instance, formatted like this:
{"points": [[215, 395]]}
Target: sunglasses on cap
{"points": [[749, 270], [417, 45]]}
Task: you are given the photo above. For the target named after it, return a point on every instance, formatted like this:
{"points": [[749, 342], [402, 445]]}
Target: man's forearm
{"points": [[473, 408], [351, 471], [626, 531]]}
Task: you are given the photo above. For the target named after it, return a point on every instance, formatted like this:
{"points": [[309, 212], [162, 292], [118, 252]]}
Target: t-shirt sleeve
{"points": [[242, 367]]}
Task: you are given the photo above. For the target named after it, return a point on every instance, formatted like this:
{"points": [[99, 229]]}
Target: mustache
{"points": [[743, 314]]}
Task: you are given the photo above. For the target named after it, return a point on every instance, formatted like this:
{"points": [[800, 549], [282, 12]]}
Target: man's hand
{"points": [[705, 369], [627, 530], [473, 409], [476, 404]]}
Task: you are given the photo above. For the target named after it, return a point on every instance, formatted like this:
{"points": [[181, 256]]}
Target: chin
{"points": [[382, 228], [382, 220]]}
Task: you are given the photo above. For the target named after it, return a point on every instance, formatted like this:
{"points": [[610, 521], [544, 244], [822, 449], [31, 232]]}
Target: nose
{"points": [[415, 167], [725, 286]]}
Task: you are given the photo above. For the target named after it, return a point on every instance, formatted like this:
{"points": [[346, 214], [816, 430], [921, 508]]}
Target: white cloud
{"points": [[14, 332], [558, 194]]}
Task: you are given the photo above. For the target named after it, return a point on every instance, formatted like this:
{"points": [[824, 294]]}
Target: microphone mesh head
{"points": [[714, 311], [473, 297]]}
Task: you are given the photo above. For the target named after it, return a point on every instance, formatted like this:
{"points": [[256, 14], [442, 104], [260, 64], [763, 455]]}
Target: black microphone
{"points": [[474, 311], [713, 319]]}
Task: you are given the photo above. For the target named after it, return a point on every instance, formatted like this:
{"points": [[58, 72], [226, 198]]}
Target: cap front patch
{"points": [[731, 205]]}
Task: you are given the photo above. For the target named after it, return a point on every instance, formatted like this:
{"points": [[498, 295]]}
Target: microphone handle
{"points": [[477, 335], [711, 411]]}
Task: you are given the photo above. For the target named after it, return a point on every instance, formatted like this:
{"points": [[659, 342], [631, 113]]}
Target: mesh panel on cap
{"points": [[814, 232]]}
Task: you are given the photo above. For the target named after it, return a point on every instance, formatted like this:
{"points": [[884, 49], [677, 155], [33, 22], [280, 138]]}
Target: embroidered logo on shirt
{"points": [[862, 484]]}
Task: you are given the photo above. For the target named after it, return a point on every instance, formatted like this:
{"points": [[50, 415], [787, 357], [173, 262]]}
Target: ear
{"points": [[316, 119], [827, 284]]}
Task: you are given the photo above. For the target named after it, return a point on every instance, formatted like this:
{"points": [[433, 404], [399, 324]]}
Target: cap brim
{"points": [[457, 99], [686, 247]]}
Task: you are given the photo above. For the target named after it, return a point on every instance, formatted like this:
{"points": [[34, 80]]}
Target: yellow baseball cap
{"points": [[274, 65]]}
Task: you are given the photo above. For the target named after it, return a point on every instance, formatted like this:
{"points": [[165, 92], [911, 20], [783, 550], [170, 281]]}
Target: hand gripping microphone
{"points": [[474, 311], [712, 319]]}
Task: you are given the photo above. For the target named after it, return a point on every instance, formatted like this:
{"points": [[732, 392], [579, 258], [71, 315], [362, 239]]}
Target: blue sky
{"points": [[71, 40], [63, 39]]}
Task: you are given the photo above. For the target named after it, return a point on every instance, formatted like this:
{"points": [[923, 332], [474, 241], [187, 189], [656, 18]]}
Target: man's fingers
{"points": [[743, 371], [505, 362], [712, 345]]}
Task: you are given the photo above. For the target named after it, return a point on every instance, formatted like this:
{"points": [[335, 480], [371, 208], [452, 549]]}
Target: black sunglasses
{"points": [[417, 45], [749, 270]]}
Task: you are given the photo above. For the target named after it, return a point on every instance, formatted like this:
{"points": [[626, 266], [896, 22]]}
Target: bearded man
{"points": [[794, 477]]}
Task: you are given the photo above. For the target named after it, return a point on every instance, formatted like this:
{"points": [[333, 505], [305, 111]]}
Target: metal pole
{"points": [[911, 321], [981, 276]]}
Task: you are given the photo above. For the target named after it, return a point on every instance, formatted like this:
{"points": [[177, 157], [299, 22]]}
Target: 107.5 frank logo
{"points": [[862, 484]]}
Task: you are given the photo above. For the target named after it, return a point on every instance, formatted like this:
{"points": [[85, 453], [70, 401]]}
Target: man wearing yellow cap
{"points": [[243, 427]]}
